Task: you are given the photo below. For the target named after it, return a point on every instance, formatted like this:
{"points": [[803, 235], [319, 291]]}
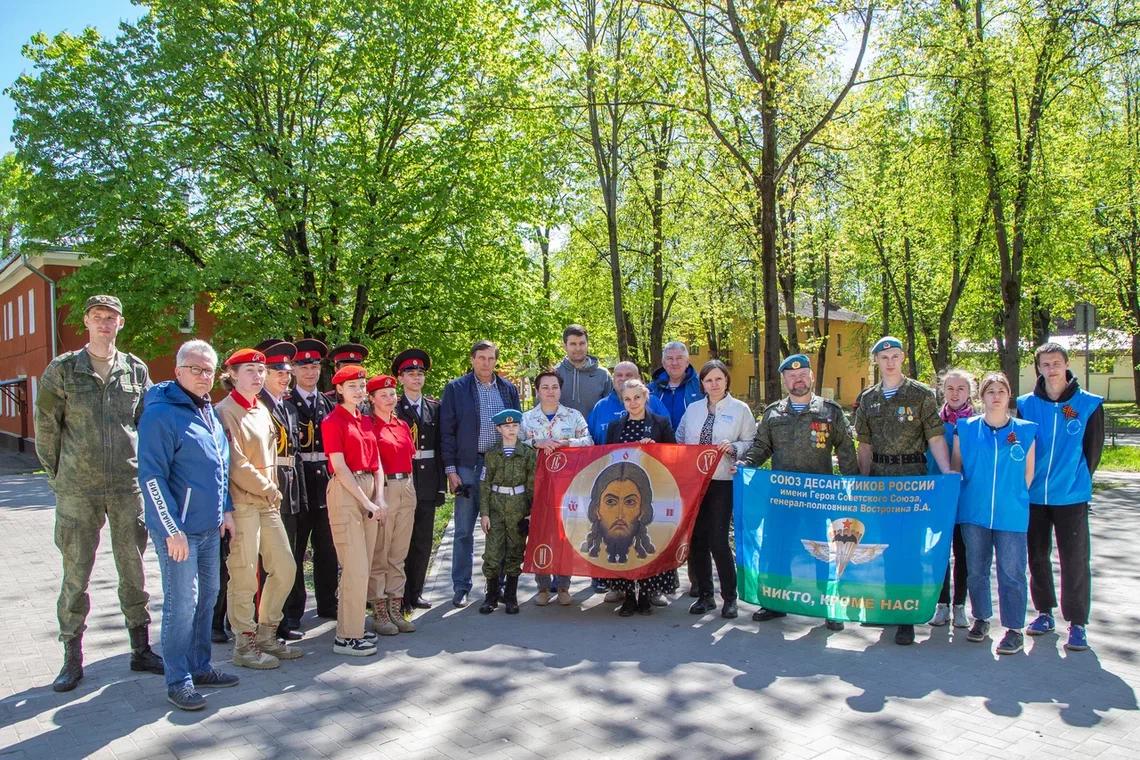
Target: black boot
{"points": [[143, 659], [705, 603], [512, 595], [72, 670], [728, 609], [491, 600], [644, 606]]}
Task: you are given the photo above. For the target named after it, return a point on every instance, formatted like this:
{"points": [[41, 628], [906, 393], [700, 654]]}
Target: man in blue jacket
{"points": [[184, 474], [466, 434], [675, 383], [608, 409], [1070, 437]]}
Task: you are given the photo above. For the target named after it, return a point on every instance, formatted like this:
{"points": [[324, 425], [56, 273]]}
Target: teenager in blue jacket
{"points": [[994, 452], [184, 462]]}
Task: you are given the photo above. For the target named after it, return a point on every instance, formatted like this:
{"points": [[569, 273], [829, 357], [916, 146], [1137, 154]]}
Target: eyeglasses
{"points": [[198, 371]]}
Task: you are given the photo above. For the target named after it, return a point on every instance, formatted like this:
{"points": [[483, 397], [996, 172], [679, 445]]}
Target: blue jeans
{"points": [[189, 590], [1013, 588], [466, 515]]}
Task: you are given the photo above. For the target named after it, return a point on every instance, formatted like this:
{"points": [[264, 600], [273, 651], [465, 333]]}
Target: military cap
{"points": [[380, 382], [349, 352], [351, 372], [413, 358], [310, 351], [278, 353], [107, 302], [245, 356], [887, 341], [795, 361], [507, 416]]}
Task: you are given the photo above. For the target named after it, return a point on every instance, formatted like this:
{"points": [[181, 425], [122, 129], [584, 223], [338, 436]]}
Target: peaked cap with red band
{"points": [[349, 352], [278, 353], [413, 358], [245, 356], [381, 382], [310, 351], [352, 372]]}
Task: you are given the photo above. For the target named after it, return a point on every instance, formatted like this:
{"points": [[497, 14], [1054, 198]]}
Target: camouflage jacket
{"points": [[86, 430], [499, 470], [803, 441], [902, 425]]}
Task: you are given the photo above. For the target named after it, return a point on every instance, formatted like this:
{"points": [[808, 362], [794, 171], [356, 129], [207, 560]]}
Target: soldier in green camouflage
{"points": [[87, 408], [506, 489], [799, 434], [895, 422]]}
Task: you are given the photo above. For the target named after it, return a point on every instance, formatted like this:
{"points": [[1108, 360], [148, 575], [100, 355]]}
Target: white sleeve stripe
{"points": [[164, 516]]}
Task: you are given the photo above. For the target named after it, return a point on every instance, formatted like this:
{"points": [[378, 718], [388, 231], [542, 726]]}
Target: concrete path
{"points": [[579, 681]]}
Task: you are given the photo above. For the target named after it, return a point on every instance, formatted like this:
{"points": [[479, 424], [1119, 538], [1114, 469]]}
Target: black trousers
{"points": [[419, 550], [1071, 525], [710, 541], [220, 622], [294, 608], [959, 565], [313, 527]]}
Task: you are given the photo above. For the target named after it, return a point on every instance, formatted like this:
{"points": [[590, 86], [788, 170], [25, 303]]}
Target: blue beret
{"points": [[795, 361], [886, 342], [507, 415]]}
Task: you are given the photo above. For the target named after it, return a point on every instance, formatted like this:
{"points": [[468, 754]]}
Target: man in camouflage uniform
{"points": [[895, 421], [506, 489], [87, 410], [799, 433]]}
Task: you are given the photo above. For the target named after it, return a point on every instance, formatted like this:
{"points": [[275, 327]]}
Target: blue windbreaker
{"points": [[675, 400], [994, 494], [184, 463]]}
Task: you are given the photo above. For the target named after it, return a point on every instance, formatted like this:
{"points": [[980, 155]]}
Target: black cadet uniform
{"points": [[430, 479], [313, 520]]}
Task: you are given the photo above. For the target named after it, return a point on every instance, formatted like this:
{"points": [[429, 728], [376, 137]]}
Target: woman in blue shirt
{"points": [[994, 453]]}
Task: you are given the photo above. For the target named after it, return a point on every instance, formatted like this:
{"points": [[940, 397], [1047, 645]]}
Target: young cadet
{"points": [[896, 421], [799, 433], [1070, 439], [506, 489]]}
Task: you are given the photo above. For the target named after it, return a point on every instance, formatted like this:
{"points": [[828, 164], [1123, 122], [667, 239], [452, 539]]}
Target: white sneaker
{"points": [[941, 615], [613, 597], [542, 598], [353, 647], [960, 619]]}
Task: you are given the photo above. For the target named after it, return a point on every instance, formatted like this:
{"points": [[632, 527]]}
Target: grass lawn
{"points": [[1120, 459]]}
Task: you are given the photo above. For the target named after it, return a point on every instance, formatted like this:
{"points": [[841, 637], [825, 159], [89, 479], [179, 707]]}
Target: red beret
{"points": [[245, 356], [351, 372], [380, 382]]}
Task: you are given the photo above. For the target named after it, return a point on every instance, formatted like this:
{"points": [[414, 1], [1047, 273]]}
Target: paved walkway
{"points": [[579, 681]]}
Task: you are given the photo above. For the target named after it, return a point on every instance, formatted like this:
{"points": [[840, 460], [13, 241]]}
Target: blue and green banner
{"points": [[873, 550]]}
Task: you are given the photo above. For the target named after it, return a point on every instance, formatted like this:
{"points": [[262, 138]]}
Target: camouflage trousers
{"points": [[78, 523], [504, 546]]}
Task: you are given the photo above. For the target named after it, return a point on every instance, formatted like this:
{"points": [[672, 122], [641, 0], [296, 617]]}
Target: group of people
{"points": [[236, 494]]}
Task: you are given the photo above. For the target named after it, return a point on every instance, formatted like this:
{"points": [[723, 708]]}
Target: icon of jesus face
{"points": [[619, 509]]}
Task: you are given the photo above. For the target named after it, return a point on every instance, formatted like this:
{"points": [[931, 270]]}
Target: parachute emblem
{"points": [[842, 546]]}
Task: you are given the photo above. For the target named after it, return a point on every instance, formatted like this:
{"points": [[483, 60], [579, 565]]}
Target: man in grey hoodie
{"points": [[584, 381]]}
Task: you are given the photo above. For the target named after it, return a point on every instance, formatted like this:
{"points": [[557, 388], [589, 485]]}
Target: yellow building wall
{"points": [[846, 370]]}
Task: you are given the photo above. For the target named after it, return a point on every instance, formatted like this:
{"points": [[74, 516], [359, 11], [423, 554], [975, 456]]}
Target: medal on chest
{"points": [[906, 414], [819, 433]]}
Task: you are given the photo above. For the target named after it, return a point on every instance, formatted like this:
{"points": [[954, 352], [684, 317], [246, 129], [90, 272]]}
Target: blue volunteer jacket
{"points": [[184, 463], [994, 494], [610, 408], [1069, 443], [931, 465], [676, 400]]}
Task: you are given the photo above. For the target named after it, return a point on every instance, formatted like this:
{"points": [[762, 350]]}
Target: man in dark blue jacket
{"points": [[467, 432], [184, 476], [675, 383]]}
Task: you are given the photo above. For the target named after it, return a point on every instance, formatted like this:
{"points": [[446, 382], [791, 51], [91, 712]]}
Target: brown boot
{"points": [[381, 620], [403, 625], [248, 655], [268, 642]]}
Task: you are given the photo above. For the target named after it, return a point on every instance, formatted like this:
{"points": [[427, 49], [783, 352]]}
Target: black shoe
{"points": [[705, 603], [215, 679], [185, 697], [460, 598], [904, 635], [219, 636], [694, 592], [143, 660], [511, 597], [289, 634], [834, 625], [628, 606], [326, 614], [729, 608], [764, 614], [421, 604], [72, 670], [644, 605]]}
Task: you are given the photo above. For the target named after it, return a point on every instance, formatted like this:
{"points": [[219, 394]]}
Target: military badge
{"points": [[819, 433], [905, 414]]}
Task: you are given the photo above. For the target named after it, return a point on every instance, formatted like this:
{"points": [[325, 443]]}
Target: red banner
{"points": [[618, 511]]}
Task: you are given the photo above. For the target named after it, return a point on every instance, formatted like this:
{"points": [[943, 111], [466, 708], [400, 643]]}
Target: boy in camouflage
{"points": [[506, 488]]}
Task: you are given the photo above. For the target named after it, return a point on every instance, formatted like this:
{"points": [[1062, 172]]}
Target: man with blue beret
{"points": [[895, 422], [799, 433]]}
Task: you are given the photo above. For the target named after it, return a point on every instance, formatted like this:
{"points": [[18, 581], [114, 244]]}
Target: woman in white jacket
{"points": [[727, 423]]}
